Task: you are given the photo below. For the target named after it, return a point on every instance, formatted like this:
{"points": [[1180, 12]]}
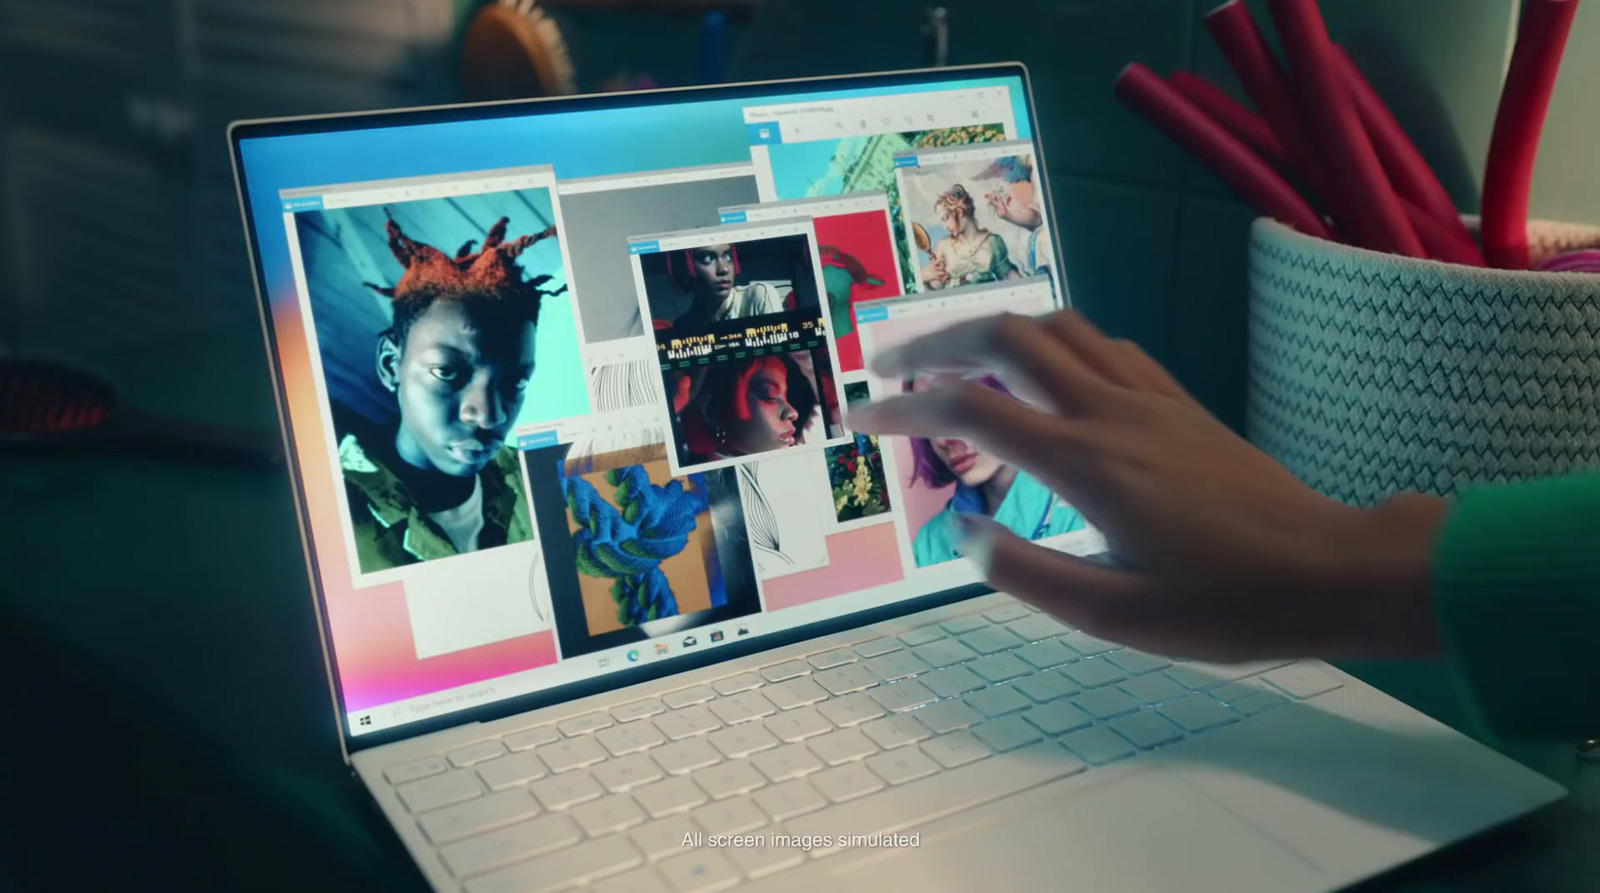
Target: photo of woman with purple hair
{"points": [[983, 485]]}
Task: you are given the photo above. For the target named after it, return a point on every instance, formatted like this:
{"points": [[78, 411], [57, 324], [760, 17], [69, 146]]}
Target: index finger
{"points": [[1003, 342]]}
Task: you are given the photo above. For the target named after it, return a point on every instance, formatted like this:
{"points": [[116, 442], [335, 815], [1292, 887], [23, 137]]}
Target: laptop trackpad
{"points": [[1147, 831]]}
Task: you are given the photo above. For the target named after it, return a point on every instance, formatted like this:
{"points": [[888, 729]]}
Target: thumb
{"points": [[1081, 592]]}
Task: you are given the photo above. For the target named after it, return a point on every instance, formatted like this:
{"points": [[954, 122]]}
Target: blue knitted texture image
{"points": [[629, 544], [1372, 374]]}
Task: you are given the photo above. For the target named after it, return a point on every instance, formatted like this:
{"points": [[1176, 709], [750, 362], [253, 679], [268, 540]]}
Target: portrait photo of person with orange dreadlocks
{"points": [[436, 322]]}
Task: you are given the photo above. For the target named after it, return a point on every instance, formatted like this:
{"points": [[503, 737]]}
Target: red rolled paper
{"points": [[1517, 125], [1408, 172], [1258, 71], [1244, 124], [1262, 188], [1376, 218]]}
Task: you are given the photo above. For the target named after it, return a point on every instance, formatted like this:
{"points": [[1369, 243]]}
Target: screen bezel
{"points": [[241, 131]]}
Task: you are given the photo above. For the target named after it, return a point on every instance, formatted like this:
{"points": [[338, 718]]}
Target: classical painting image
{"points": [[440, 325], [973, 222]]}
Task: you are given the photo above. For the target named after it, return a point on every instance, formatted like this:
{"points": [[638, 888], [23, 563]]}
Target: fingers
{"points": [[1147, 374], [1102, 355], [1080, 592], [1003, 426], [1005, 341]]}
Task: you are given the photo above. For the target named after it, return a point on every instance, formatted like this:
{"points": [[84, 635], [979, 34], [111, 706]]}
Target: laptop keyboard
{"points": [[879, 737]]}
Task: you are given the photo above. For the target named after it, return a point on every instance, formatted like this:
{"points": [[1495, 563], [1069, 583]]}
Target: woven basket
{"points": [[1372, 374]]}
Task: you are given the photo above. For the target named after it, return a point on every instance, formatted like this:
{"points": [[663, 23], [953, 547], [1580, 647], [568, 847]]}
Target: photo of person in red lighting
{"points": [[754, 406], [689, 289]]}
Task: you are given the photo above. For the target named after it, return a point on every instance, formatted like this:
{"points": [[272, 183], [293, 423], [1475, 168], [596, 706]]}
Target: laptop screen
{"points": [[570, 386]]}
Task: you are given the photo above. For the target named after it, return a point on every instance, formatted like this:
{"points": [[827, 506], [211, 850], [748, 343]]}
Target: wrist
{"points": [[1387, 577]]}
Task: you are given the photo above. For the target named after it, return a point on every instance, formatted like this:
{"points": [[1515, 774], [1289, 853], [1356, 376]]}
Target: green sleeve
{"points": [[1517, 589]]}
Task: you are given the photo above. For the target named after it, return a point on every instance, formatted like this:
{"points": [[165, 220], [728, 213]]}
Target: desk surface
{"points": [[183, 589]]}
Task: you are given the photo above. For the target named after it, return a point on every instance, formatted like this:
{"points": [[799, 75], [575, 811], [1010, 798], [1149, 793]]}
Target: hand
{"points": [[1228, 556], [936, 273]]}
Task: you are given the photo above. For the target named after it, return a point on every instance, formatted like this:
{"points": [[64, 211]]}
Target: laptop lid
{"points": [[566, 383]]}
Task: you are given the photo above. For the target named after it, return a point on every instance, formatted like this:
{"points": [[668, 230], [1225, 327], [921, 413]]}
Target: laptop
{"points": [[612, 597]]}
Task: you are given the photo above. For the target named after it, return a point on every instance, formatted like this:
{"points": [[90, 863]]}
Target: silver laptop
{"points": [[613, 598]]}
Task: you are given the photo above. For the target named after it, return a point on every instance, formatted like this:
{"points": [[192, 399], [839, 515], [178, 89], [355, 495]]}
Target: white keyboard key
{"points": [[1250, 705], [560, 870], [404, 772], [760, 861], [1038, 627], [842, 746], [645, 880], [997, 701], [728, 779], [742, 740], [850, 710], [1046, 686], [963, 625], [898, 665], [1146, 729], [630, 737], [608, 815], [583, 725], [921, 636], [895, 731], [513, 843], [1197, 712], [1104, 703], [991, 640], [638, 710], [875, 647], [1087, 645], [683, 697], [571, 753], [944, 653], [784, 763], [686, 756], [794, 693], [516, 769], [672, 795], [626, 772], [742, 707], [1138, 663], [846, 782], [531, 738], [1007, 614], [701, 871], [947, 716], [439, 790], [566, 789], [955, 749], [901, 766], [952, 681], [479, 815], [1303, 680], [999, 667], [1006, 734], [919, 802], [789, 669], [792, 798], [463, 757], [1097, 745], [663, 837], [735, 684], [901, 696], [1201, 676], [1046, 654], [1057, 717], [827, 660], [1230, 692], [1094, 673], [686, 722], [733, 816], [798, 724], [1153, 688], [846, 679]]}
